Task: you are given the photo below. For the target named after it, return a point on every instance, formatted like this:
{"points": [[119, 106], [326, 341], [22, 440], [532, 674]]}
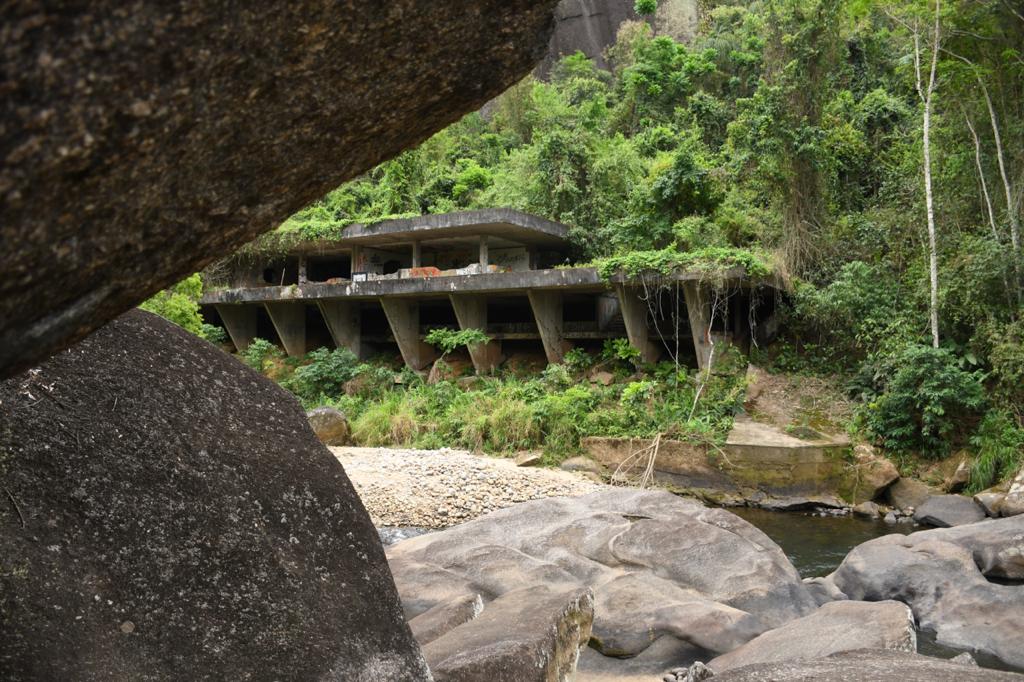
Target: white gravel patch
{"points": [[440, 488]]}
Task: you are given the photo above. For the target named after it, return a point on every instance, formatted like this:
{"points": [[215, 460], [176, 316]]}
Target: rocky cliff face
{"points": [[590, 26], [141, 142]]}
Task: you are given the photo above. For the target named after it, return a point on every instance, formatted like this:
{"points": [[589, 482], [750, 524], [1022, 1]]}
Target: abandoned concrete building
{"points": [[380, 289]]}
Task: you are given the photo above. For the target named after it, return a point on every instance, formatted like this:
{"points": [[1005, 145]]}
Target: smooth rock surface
{"points": [[532, 635], [141, 144], [906, 493], [944, 511], [990, 502], [329, 425], [582, 464], [941, 582], [444, 617], [868, 510], [661, 568], [837, 626], [1013, 503], [178, 520], [866, 666]]}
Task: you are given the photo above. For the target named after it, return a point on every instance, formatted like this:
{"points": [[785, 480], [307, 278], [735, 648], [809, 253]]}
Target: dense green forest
{"points": [[850, 146]]}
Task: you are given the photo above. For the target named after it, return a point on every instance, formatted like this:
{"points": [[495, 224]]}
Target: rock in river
{"points": [[943, 511], [837, 626], [941, 575], [660, 567], [173, 517]]}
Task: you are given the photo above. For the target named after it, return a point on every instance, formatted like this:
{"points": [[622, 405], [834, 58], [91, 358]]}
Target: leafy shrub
{"points": [[448, 340], [999, 443], [180, 304], [259, 353], [926, 400], [323, 373], [214, 334], [578, 360]]}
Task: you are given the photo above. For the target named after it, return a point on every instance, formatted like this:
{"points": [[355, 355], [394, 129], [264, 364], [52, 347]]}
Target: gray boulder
{"points": [[1013, 503], [824, 590], [139, 146], [444, 617], [906, 493], [990, 502], [944, 587], [330, 426], [866, 666], [583, 465], [943, 511], [867, 509], [178, 520], [661, 567], [996, 545], [531, 635], [838, 626]]}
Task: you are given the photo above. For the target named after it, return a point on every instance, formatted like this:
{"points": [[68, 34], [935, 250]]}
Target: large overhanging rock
{"points": [[141, 142], [168, 514]]}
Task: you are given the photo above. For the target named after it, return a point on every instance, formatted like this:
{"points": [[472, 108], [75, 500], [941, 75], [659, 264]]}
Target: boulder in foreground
{"points": [[140, 145], [182, 522]]}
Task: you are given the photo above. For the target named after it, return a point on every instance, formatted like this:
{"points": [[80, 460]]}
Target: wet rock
{"points": [[696, 576], [944, 511], [943, 585], [838, 626], [531, 635], [890, 518], [907, 492], [142, 145], [182, 522], [329, 425], [866, 666], [867, 509], [439, 620]]}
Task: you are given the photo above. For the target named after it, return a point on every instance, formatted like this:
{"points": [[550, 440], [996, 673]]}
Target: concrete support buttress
{"points": [[547, 311], [484, 255], [289, 320], [698, 309], [344, 322], [404, 317], [634, 315], [303, 277], [357, 259], [240, 321], [471, 312], [417, 255]]}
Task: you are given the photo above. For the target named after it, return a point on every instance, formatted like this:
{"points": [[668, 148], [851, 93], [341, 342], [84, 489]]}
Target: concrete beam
{"points": [[240, 321], [404, 317], [289, 320], [547, 311], [471, 312], [344, 322], [634, 315], [698, 309]]}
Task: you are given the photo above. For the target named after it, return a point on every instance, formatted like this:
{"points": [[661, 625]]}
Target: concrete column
{"points": [[547, 311], [417, 255], [289, 318], [357, 259], [471, 312], [483, 251], [240, 321], [404, 317], [608, 309], [344, 321], [634, 315], [302, 270], [698, 309]]}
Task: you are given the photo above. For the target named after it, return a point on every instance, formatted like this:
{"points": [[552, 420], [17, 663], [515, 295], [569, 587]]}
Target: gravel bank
{"points": [[440, 488]]}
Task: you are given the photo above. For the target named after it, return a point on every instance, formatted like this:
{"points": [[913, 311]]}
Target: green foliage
{"points": [[645, 7], [449, 339], [323, 373], [712, 261], [923, 401], [259, 353], [999, 444], [180, 305]]}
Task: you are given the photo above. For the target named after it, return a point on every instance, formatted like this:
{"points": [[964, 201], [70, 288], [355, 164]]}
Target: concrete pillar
{"points": [[484, 257], [404, 317], [302, 270], [634, 315], [417, 255], [471, 312], [608, 309], [357, 259], [547, 311], [698, 309], [240, 321], [289, 318], [344, 321]]}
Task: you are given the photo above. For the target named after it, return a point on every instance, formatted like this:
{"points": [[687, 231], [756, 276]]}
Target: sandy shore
{"points": [[439, 488]]}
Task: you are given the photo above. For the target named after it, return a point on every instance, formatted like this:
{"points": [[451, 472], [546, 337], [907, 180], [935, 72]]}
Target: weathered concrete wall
{"points": [[140, 144]]}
